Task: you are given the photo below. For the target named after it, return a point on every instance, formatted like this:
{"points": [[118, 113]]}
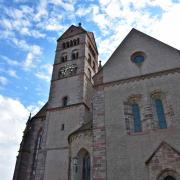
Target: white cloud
{"points": [[12, 73], [167, 28], [54, 26], [32, 55], [3, 81], [82, 11], [35, 108], [45, 72], [13, 118], [68, 6], [115, 18], [9, 61]]}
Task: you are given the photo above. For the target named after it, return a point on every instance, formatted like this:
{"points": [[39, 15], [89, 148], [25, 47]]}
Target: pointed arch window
{"points": [[160, 113], [36, 151], [82, 165], [136, 117], [86, 167]]}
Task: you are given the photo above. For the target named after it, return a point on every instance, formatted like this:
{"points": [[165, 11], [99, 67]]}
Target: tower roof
{"points": [[75, 30], [72, 31]]}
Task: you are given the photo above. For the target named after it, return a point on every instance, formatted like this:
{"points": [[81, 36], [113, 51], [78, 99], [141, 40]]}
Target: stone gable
{"points": [[164, 158]]}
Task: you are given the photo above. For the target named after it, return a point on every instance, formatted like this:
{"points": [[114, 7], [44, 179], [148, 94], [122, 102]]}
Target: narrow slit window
{"points": [[89, 74], [65, 101], [62, 127], [94, 66], [89, 59]]}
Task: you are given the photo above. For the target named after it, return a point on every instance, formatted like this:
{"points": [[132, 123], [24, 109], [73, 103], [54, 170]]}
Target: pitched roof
{"points": [[72, 31], [163, 143], [41, 112], [84, 127], [134, 31]]}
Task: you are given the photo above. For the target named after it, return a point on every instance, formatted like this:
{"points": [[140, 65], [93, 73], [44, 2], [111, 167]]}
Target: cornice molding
{"points": [[68, 106], [138, 78]]}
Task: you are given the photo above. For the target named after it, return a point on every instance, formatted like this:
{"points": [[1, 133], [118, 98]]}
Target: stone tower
{"points": [[44, 151], [69, 104]]}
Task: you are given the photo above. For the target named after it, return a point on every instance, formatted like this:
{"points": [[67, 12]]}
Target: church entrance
{"points": [[169, 178], [169, 175], [82, 166], [86, 167]]}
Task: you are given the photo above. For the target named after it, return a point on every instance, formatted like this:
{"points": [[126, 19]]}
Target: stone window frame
{"points": [[129, 120], [64, 57], [65, 101], [136, 54], [89, 59], [168, 172], [89, 74], [77, 163], [70, 43], [74, 54], [93, 66], [168, 112], [37, 147]]}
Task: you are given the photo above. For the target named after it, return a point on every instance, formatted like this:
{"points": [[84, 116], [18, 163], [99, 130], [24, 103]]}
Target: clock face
{"points": [[68, 70]]}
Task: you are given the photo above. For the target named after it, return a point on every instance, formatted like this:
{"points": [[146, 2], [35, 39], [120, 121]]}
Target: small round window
{"points": [[138, 58]]}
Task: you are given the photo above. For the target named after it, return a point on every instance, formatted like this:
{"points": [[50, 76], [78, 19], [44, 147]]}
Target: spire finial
{"points": [[79, 24], [29, 117]]}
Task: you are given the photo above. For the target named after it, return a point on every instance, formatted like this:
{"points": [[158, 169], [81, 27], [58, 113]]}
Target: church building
{"points": [[116, 122]]}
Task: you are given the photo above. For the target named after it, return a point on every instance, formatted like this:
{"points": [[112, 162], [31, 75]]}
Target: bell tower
{"points": [[69, 105]]}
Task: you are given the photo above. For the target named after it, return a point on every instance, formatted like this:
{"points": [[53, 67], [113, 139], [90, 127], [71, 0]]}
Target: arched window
{"points": [[64, 57], [74, 42], [89, 59], [75, 54], [77, 40], [64, 101], [160, 113], [67, 44], [82, 165], [89, 74], [94, 66], [64, 45], [71, 43], [36, 150], [86, 167], [168, 175], [136, 117], [169, 178]]}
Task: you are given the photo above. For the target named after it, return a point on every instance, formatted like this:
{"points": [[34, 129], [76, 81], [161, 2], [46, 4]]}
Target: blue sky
{"points": [[28, 34]]}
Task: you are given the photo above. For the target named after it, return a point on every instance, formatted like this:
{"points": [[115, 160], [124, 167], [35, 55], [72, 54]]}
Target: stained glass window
{"points": [[160, 113], [137, 117], [138, 59]]}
